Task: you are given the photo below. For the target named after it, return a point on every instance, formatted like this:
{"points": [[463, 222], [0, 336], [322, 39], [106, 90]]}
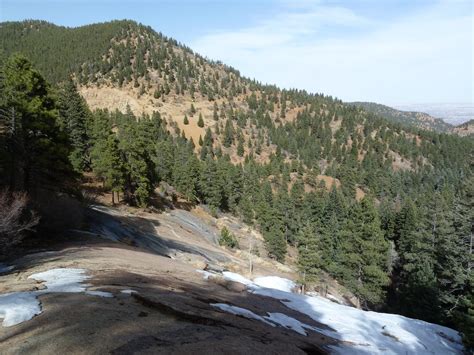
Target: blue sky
{"points": [[392, 52]]}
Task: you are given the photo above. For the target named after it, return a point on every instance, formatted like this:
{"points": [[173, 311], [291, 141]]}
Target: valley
{"points": [[153, 200]]}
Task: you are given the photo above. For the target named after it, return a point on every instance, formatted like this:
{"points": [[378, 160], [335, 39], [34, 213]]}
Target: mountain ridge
{"points": [[416, 119]]}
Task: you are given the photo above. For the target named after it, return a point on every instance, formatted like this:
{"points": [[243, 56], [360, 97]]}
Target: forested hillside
{"points": [[408, 118], [385, 208], [465, 129]]}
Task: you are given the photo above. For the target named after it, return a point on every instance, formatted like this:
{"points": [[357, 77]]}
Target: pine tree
{"points": [[228, 138], [200, 121], [215, 114], [74, 114], [309, 253], [240, 148], [186, 121], [107, 163], [37, 151], [365, 253]]}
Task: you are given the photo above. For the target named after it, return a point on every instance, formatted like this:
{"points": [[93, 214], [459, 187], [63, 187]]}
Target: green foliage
{"points": [[410, 254], [365, 253], [228, 239], [200, 121], [56, 50], [310, 261], [35, 149], [74, 118]]}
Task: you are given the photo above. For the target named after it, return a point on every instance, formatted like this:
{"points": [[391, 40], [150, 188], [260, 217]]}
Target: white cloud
{"points": [[421, 57]]}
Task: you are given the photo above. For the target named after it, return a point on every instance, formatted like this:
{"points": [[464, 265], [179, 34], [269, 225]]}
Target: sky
{"points": [[385, 51]]}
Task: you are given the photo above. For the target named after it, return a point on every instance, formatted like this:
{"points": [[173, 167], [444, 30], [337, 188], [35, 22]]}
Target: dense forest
{"points": [[397, 229]]}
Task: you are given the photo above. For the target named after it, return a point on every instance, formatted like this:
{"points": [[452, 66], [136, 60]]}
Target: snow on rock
{"points": [[275, 282], [271, 319], [370, 332], [128, 292], [18, 307], [232, 276], [100, 294], [238, 311], [363, 332], [62, 280], [290, 323]]}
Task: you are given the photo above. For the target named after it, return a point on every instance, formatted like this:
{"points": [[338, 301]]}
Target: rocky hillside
{"points": [[121, 65], [465, 129], [333, 189], [136, 282], [407, 118]]}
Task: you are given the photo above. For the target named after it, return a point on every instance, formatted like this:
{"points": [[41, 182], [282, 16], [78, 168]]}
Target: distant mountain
{"points": [[454, 113], [408, 118], [465, 129]]}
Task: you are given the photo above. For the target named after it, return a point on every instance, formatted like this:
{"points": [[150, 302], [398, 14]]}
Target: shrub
{"points": [[228, 239], [15, 218]]}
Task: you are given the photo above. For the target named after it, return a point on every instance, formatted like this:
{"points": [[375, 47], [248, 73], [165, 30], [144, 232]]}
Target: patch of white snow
{"points": [[100, 294], [62, 280], [238, 311], [275, 282], [364, 331], [370, 332], [128, 292], [232, 276], [18, 307], [290, 323]]}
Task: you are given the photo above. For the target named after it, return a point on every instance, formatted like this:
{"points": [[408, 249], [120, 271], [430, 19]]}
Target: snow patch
{"points": [[18, 307], [290, 323], [238, 311], [275, 282], [232, 276], [364, 331], [370, 332], [272, 319], [100, 294], [128, 292], [62, 280]]}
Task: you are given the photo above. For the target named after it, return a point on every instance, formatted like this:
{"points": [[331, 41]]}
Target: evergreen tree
{"points": [[309, 252], [365, 253], [107, 163], [200, 121], [37, 151], [74, 114], [240, 148]]}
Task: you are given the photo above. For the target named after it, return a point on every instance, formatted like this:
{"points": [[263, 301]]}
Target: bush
{"points": [[228, 239], [15, 218]]}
